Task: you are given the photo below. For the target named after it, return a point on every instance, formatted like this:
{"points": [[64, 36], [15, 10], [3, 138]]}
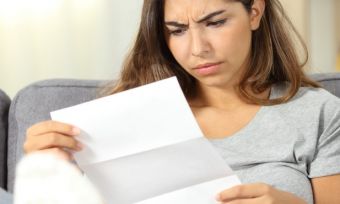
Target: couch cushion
{"points": [[4, 106], [34, 103]]}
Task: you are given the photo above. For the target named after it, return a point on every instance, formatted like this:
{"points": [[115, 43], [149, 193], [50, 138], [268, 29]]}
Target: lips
{"points": [[207, 68], [207, 65]]}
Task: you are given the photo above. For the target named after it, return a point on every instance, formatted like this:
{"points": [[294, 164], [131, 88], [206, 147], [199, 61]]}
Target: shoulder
{"points": [[320, 98], [316, 95], [309, 108], [308, 98]]}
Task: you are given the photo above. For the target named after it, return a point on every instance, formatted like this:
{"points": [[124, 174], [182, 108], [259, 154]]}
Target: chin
{"points": [[215, 81]]}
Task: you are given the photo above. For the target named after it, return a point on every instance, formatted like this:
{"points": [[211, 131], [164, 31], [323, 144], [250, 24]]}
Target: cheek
{"points": [[179, 49], [234, 44]]}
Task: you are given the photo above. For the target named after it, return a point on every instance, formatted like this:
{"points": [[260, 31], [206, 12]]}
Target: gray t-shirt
{"points": [[288, 144]]}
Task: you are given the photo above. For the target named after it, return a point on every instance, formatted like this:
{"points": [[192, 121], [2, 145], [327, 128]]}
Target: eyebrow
{"points": [[213, 14], [203, 19]]}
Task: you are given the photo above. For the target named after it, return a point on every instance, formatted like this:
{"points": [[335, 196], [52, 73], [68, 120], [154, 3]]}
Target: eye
{"points": [[177, 32], [216, 23]]}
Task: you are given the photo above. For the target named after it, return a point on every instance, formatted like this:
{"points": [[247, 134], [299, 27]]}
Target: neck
{"points": [[225, 98]]}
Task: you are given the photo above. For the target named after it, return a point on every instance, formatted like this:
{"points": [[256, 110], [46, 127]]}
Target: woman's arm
{"points": [[326, 189]]}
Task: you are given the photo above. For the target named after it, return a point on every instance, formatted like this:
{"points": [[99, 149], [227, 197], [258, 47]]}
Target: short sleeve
{"points": [[326, 160]]}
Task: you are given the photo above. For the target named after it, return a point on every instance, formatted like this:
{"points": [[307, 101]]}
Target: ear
{"points": [[256, 13]]}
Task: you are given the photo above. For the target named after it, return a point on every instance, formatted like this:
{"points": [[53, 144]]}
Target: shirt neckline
{"points": [[273, 94]]}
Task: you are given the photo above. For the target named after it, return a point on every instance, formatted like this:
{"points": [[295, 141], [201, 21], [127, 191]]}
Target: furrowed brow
{"points": [[209, 16], [203, 19], [176, 24]]}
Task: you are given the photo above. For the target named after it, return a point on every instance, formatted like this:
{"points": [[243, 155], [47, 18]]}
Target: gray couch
{"points": [[34, 103], [4, 107]]}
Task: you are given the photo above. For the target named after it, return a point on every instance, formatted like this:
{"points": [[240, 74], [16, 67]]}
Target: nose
{"points": [[199, 44]]}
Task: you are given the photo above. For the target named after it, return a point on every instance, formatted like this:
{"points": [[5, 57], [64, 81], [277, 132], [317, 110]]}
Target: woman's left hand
{"points": [[258, 193]]}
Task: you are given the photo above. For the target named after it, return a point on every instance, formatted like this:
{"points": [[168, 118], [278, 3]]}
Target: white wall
{"points": [[298, 12], [338, 33], [323, 35], [317, 22], [43, 39]]}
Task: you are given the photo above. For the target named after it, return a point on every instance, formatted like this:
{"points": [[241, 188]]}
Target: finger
{"points": [[51, 140], [59, 140], [246, 201], [52, 126], [246, 191]]}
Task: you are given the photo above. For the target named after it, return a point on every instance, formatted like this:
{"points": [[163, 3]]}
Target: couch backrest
{"points": [[34, 103], [4, 106], [329, 81]]}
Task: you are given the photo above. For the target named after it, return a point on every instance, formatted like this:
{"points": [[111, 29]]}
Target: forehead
{"points": [[184, 9]]}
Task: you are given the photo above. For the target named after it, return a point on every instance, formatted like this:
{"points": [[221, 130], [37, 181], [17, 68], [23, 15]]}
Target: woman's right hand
{"points": [[52, 137]]}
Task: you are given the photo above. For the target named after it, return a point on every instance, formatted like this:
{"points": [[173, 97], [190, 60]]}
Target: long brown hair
{"points": [[273, 59]]}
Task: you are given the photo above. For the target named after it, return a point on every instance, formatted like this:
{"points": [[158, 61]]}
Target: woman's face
{"points": [[211, 39]]}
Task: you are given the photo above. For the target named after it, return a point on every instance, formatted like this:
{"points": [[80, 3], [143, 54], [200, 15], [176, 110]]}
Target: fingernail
{"points": [[75, 130]]}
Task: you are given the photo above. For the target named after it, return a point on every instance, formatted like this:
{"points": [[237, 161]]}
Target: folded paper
{"points": [[144, 145]]}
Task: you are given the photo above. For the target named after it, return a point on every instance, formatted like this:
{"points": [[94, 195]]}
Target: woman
{"points": [[236, 63]]}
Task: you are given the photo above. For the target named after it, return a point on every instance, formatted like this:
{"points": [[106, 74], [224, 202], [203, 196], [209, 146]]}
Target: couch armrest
{"points": [[4, 107]]}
